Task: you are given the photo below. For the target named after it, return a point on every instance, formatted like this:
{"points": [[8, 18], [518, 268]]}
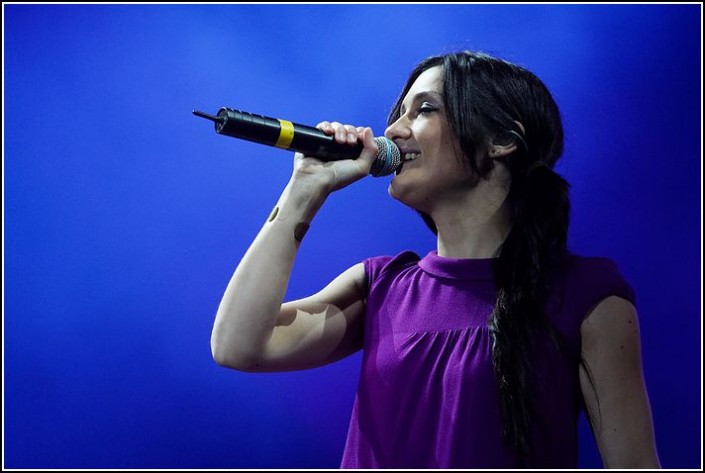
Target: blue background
{"points": [[125, 215]]}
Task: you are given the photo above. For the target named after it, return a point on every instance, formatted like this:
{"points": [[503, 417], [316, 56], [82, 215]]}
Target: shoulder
{"points": [[588, 280], [379, 267]]}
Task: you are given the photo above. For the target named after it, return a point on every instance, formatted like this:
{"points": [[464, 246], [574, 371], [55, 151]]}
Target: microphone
{"points": [[304, 139]]}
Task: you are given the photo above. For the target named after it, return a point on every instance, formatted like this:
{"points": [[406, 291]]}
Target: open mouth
{"points": [[406, 157]]}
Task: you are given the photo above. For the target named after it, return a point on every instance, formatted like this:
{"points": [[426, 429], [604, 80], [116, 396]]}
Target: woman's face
{"points": [[431, 171]]}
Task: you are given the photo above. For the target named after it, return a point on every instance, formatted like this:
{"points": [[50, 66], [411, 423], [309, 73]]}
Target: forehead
{"points": [[430, 80]]}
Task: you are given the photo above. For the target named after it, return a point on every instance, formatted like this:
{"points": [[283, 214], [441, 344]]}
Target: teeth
{"points": [[410, 156]]}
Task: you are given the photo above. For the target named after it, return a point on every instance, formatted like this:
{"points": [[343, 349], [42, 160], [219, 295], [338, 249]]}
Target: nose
{"points": [[399, 129]]}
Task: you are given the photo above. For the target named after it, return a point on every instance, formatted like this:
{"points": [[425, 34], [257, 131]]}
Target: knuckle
{"points": [[324, 126]]}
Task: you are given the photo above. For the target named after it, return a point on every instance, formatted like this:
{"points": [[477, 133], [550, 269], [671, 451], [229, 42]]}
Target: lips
{"points": [[407, 154], [406, 157]]}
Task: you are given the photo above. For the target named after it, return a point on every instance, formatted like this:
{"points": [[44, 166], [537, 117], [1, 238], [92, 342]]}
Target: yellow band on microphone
{"points": [[286, 134]]}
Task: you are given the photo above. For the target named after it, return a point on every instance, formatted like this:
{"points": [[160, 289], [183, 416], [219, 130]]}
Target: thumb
{"points": [[370, 150]]}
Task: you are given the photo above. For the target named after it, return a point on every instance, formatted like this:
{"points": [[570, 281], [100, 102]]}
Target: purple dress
{"points": [[427, 395]]}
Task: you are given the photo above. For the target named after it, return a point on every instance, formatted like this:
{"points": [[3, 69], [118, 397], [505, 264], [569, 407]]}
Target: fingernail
{"points": [[351, 136]]}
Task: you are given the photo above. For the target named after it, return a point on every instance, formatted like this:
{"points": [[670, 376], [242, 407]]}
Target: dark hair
{"points": [[483, 97]]}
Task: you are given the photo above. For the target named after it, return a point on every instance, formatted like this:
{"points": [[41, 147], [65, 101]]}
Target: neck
{"points": [[474, 225]]}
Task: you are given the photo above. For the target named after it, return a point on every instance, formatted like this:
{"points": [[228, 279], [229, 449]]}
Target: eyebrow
{"points": [[421, 96]]}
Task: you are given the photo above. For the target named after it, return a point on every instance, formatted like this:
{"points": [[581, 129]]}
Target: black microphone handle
{"points": [[305, 139], [284, 134]]}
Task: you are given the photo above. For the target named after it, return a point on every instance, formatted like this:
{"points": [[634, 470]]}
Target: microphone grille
{"points": [[388, 158]]}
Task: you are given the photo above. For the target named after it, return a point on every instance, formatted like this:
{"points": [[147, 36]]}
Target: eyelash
{"points": [[423, 109], [426, 109]]}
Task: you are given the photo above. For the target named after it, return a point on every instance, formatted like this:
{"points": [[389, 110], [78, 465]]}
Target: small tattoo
{"points": [[273, 215], [300, 231]]}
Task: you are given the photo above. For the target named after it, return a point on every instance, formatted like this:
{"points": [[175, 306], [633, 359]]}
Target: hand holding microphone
{"points": [[336, 174], [304, 139]]}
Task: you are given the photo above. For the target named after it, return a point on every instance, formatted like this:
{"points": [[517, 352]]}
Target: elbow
{"points": [[233, 358], [220, 358], [236, 348]]}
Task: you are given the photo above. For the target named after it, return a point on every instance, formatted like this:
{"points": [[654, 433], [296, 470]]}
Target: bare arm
{"points": [[253, 330], [319, 329], [613, 386]]}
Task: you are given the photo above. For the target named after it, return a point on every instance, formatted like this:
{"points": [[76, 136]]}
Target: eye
{"points": [[426, 108]]}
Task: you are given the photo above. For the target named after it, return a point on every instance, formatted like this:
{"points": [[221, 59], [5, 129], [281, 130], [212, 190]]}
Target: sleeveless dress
{"points": [[427, 396]]}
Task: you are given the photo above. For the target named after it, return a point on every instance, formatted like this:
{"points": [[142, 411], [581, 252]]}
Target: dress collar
{"points": [[454, 268]]}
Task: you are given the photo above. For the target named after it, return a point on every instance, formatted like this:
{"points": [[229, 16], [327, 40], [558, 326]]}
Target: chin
{"points": [[395, 188], [402, 190]]}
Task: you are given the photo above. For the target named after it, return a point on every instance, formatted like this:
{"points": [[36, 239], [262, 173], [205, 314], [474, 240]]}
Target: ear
{"points": [[505, 144], [500, 149]]}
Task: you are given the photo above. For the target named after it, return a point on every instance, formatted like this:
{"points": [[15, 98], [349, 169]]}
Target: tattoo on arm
{"points": [[300, 231], [274, 213]]}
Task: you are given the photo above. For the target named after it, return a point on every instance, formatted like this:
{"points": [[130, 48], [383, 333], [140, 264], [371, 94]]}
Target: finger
{"points": [[351, 134], [340, 133], [326, 128], [369, 152], [298, 157]]}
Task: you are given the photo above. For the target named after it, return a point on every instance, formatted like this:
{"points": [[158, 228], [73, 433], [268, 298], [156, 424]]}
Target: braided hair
{"points": [[487, 99]]}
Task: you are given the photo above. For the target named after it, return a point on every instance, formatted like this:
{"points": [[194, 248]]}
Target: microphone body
{"points": [[304, 139]]}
